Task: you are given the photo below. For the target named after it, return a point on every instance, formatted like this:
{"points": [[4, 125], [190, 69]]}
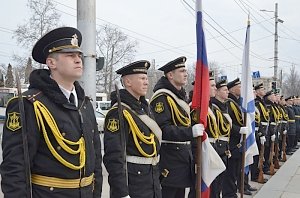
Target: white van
{"points": [[103, 106]]}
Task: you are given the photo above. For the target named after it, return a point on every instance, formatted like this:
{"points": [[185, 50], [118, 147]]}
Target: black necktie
{"points": [[72, 99]]}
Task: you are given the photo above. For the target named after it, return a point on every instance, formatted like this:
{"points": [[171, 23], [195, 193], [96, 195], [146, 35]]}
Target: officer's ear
{"points": [[50, 62], [170, 75]]}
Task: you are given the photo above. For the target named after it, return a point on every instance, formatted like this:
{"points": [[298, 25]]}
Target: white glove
{"points": [[273, 138], [198, 130], [284, 132], [244, 130], [262, 140], [126, 196]]}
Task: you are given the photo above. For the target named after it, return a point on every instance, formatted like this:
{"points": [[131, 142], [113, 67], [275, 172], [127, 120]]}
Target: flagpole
{"points": [[243, 158], [199, 160]]}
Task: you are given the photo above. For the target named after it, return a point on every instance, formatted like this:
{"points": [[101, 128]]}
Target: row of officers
{"points": [[51, 145]]}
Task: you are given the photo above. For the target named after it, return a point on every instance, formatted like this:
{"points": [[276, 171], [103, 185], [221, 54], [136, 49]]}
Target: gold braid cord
{"points": [[285, 115], [276, 115], [138, 135], [237, 114], [213, 127], [264, 112], [43, 116], [184, 120], [222, 124], [257, 117]]}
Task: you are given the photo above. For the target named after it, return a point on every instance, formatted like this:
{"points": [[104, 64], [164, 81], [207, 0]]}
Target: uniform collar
{"points": [[67, 93]]}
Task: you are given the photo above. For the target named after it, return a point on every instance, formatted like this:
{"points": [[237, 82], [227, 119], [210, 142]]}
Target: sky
{"points": [[165, 30]]}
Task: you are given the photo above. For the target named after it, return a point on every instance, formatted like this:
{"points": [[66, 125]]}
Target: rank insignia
{"points": [[13, 121], [113, 125], [159, 107]]}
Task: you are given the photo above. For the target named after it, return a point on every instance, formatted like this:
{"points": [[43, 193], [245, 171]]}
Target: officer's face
{"points": [[179, 76], [236, 90], [222, 93], [66, 66], [213, 89], [136, 84], [261, 92]]}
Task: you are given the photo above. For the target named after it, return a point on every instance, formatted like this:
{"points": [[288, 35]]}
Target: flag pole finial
{"points": [[248, 22]]}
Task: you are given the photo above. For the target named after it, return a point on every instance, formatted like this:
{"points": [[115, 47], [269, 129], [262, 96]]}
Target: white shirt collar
{"points": [[67, 93]]}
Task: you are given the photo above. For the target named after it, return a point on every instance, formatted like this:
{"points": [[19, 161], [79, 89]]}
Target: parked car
{"points": [[100, 117]]}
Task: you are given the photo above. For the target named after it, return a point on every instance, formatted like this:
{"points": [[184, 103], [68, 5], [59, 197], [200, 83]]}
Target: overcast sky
{"points": [[165, 30]]}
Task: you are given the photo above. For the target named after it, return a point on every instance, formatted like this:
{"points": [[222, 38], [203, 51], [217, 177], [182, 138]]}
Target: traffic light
{"points": [[273, 85]]}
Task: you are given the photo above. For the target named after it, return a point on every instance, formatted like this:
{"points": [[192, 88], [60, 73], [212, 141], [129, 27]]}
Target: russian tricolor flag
{"points": [[212, 165]]}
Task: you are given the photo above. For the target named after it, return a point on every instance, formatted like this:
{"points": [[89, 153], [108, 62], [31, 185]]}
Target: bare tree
{"points": [[291, 84], [153, 76], [9, 82], [44, 17], [214, 66], [117, 49], [28, 70]]}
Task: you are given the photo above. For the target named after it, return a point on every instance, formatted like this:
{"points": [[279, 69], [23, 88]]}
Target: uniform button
{"points": [[92, 141], [84, 107], [141, 142], [177, 148], [63, 134], [58, 147], [93, 130], [51, 189], [139, 172]]}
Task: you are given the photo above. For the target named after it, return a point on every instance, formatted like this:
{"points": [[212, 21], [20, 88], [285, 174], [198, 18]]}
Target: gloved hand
{"points": [[126, 196], [273, 138], [284, 132], [262, 140], [244, 130], [198, 130]]}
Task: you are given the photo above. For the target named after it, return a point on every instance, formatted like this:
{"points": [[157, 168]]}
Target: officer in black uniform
{"points": [[232, 174], [261, 125], [224, 124], [283, 128], [291, 132], [297, 120], [213, 134], [132, 139], [272, 129], [172, 114], [63, 139]]}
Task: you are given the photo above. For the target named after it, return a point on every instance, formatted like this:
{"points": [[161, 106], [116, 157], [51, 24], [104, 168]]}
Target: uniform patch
{"points": [[13, 121], [113, 125], [159, 107], [194, 116]]}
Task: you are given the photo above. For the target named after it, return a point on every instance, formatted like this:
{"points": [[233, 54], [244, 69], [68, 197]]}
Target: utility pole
{"points": [[275, 78], [276, 43], [86, 23]]}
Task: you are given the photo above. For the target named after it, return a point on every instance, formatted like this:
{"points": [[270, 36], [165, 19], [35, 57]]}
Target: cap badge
{"points": [[74, 40]]}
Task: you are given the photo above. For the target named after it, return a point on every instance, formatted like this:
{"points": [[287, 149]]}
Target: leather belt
{"points": [[273, 123], [142, 160], [61, 183]]}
